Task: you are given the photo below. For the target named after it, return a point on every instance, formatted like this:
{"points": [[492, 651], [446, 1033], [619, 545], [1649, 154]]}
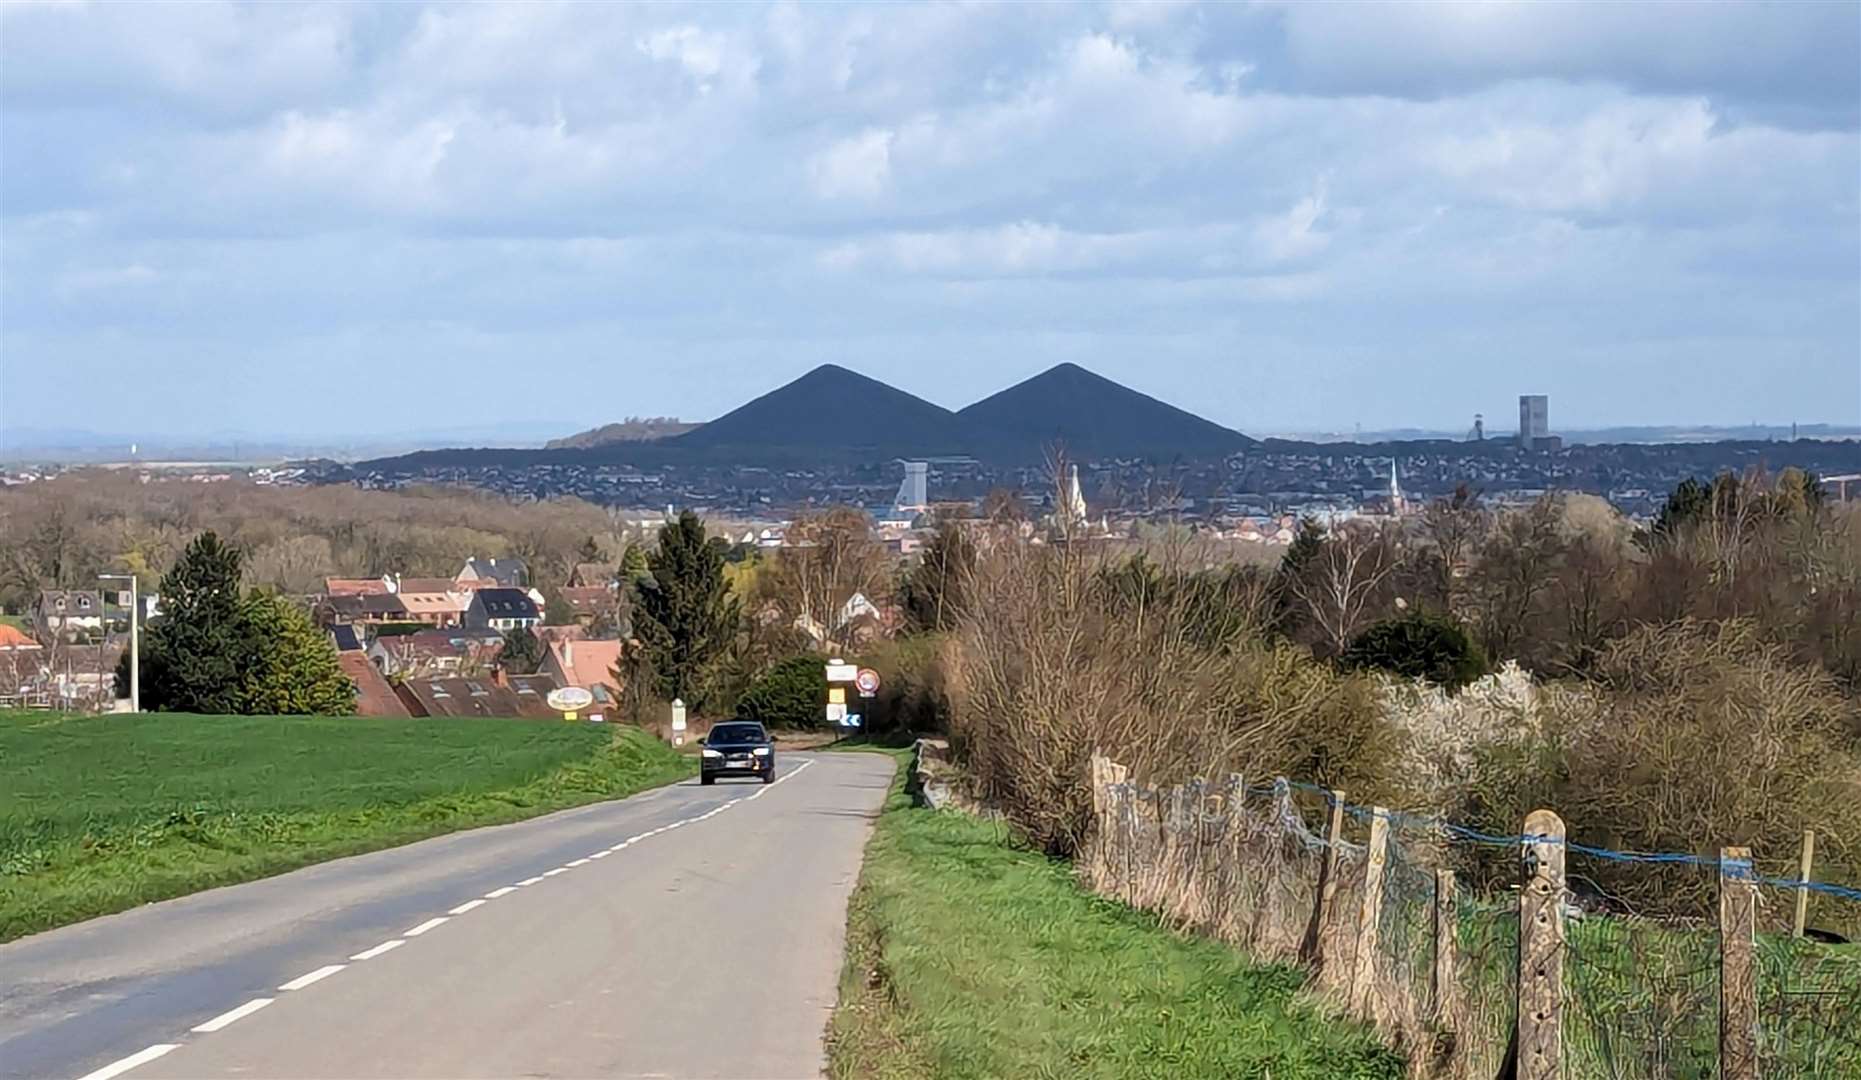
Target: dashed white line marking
{"points": [[386, 946], [231, 1015], [577, 862], [530, 881], [637, 837], [425, 926], [602, 854], [505, 891], [140, 1057], [620, 846], [557, 870], [467, 906], [318, 975]]}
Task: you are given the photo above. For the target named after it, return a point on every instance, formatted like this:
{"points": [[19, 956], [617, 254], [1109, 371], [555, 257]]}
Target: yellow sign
{"points": [[836, 695], [568, 715]]}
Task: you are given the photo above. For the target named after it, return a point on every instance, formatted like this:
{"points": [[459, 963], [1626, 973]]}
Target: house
{"points": [[337, 586], [67, 610], [591, 574], [509, 573], [373, 695], [519, 696], [345, 638], [443, 608], [589, 602], [364, 608], [502, 610], [587, 664], [427, 654]]}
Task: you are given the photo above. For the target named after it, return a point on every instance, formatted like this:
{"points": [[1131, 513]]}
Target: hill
{"points": [[1094, 418], [632, 429], [831, 409]]}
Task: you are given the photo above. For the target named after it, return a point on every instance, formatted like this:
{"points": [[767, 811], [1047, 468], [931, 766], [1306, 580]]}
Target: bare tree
{"points": [[1340, 587], [1455, 526], [827, 560]]}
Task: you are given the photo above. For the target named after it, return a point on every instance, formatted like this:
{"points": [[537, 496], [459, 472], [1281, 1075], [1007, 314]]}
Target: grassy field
{"points": [[968, 957], [100, 813]]}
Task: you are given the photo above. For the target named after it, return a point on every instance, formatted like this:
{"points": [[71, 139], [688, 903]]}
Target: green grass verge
{"points": [[968, 957], [101, 813]]}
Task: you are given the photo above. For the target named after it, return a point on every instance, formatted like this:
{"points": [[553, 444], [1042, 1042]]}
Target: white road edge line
{"points": [[386, 946], [637, 837], [602, 854], [318, 975], [505, 891], [140, 1057], [425, 926], [529, 881], [231, 1015], [467, 906], [577, 862], [557, 870]]}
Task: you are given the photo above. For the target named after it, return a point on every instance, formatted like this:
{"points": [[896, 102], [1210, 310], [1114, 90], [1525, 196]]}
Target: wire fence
{"points": [[1366, 899]]}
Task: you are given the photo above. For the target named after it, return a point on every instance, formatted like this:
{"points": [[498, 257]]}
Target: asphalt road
{"points": [[686, 932]]}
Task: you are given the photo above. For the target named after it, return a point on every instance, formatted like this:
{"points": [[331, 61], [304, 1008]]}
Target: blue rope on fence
{"points": [[1401, 819]]}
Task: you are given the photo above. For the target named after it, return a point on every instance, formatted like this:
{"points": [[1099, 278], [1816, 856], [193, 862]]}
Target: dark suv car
{"points": [[737, 748]]}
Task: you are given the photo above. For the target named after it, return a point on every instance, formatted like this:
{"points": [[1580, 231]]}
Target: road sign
{"points": [[852, 720], [678, 714], [839, 670], [836, 714], [868, 682], [836, 695], [569, 699]]}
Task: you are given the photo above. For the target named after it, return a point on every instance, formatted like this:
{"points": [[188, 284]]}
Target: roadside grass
{"points": [[101, 813], [970, 957]]}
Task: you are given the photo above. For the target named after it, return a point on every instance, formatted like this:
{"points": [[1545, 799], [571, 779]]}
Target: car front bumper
{"points": [[726, 767]]}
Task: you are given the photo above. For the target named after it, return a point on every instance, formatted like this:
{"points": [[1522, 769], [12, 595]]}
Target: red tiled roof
{"points": [[338, 586], [12, 638], [586, 664], [373, 695]]}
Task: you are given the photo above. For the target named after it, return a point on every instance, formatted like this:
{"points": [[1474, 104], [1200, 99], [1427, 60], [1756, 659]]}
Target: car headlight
{"points": [[761, 751], [708, 752]]}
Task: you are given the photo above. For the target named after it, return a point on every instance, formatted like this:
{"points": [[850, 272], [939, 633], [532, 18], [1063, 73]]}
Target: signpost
{"points": [[569, 700], [678, 722], [839, 670]]}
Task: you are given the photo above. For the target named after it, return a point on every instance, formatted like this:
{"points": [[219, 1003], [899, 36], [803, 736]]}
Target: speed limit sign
{"points": [[868, 682]]}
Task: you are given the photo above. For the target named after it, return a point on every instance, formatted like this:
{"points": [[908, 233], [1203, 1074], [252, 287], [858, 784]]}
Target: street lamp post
{"points": [[135, 639]]}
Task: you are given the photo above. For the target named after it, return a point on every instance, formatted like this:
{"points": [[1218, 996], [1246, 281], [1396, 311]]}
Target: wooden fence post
{"points": [[1097, 774], [1320, 937], [1541, 949], [1802, 875], [1738, 984], [1363, 980], [1444, 1003]]}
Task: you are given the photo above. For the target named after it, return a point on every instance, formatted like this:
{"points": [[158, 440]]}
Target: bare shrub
{"points": [[1063, 654], [1692, 736]]}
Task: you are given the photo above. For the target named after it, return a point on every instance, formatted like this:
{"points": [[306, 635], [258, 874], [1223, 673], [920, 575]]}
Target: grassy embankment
{"points": [[970, 957], [101, 813]]}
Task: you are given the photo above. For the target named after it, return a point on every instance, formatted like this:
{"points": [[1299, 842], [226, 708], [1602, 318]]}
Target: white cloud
{"points": [[699, 53], [858, 167], [1318, 185]]}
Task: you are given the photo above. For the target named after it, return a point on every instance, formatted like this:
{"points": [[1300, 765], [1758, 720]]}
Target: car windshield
{"points": [[737, 733]]}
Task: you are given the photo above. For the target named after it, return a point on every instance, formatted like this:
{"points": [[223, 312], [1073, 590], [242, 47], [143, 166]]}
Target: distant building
{"points": [[587, 664], [517, 696], [1535, 423], [65, 610], [509, 573], [502, 610]]}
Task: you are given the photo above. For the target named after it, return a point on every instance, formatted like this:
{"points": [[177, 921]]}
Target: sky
{"points": [[348, 220]]}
